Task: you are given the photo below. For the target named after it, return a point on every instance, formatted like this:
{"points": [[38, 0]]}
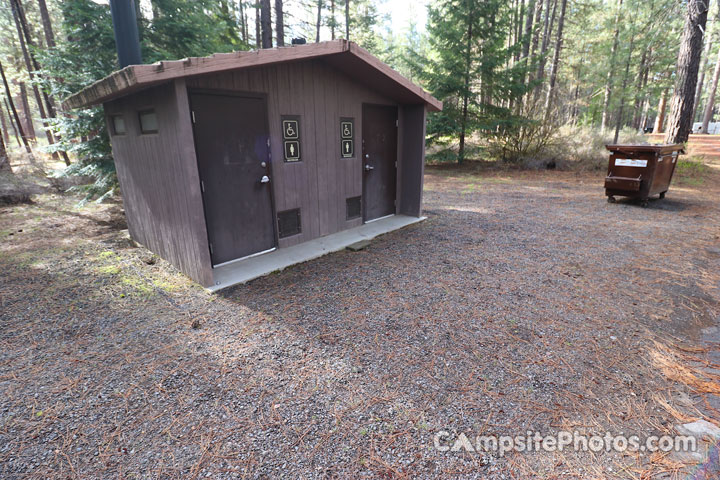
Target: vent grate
{"points": [[354, 207], [289, 223]]}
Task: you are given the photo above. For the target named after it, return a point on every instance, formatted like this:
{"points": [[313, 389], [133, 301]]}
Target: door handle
{"points": [[368, 168], [265, 179]]}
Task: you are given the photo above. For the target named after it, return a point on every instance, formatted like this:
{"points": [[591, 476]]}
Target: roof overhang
{"points": [[346, 56]]}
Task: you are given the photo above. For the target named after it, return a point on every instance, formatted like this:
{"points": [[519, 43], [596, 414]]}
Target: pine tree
{"points": [[265, 24], [688, 64], [189, 29], [279, 23], [364, 18], [85, 54], [467, 69], [11, 108]]}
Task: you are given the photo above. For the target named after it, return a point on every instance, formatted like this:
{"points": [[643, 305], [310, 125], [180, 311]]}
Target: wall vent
{"points": [[353, 207], [289, 223]]}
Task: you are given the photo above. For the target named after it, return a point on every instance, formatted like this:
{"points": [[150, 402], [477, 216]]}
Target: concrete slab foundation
{"points": [[245, 270]]}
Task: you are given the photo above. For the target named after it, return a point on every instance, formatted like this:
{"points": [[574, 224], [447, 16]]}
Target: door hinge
{"points": [[397, 123], [211, 249], [193, 115], [202, 186], [268, 143]]}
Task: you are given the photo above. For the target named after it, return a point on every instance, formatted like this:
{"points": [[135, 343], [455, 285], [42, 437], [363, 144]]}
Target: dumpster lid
{"points": [[646, 147]]}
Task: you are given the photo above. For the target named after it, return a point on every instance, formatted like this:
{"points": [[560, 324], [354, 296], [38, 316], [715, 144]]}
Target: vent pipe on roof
{"points": [[127, 39]]}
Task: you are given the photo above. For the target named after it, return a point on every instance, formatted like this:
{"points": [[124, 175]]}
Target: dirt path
{"points": [[523, 303]]}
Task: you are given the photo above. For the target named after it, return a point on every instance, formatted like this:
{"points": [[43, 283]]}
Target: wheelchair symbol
{"points": [[290, 128]]}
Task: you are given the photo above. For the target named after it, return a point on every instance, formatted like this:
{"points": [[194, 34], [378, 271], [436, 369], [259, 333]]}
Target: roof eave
{"points": [[136, 77], [432, 103]]}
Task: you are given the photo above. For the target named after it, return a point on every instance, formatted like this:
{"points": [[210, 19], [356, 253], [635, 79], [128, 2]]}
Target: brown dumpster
{"points": [[640, 171]]}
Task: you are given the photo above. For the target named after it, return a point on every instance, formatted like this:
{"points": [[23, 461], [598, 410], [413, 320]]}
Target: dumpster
{"points": [[640, 171]]}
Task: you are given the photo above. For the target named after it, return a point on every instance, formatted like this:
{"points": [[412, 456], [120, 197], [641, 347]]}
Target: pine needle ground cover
{"points": [[523, 303]]}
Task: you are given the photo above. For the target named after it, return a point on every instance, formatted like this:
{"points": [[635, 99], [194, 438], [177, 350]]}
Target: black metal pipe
{"points": [[127, 39]]}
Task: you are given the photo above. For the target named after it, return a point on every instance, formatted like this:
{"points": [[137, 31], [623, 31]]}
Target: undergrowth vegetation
{"points": [[691, 171], [543, 146]]}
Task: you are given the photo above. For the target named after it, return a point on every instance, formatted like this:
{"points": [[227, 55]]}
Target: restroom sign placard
{"points": [[347, 137], [291, 137], [292, 151]]}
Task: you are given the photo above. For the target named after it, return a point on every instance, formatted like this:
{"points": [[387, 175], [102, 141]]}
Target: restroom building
{"points": [[225, 161]]}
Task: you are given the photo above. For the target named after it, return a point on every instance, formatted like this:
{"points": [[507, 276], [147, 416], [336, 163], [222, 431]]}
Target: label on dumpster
{"points": [[629, 162]]}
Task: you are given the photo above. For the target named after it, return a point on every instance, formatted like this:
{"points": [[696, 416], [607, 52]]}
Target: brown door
{"points": [[379, 143], [231, 140]]}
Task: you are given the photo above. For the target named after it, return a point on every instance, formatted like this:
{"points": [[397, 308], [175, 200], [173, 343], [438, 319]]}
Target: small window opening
{"points": [[117, 123], [148, 121]]}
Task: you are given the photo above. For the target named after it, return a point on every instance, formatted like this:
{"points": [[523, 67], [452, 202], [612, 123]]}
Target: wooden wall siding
{"points": [[159, 180], [320, 94], [411, 166]]}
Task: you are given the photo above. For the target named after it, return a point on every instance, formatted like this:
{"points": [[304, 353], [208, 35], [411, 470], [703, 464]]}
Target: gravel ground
{"points": [[523, 303]]}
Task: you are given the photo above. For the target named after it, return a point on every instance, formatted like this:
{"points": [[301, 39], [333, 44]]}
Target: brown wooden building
{"points": [[226, 157]]}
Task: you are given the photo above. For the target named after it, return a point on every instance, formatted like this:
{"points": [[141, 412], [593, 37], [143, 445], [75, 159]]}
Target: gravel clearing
{"points": [[523, 303]]}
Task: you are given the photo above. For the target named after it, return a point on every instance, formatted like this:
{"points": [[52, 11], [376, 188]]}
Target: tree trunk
{"points": [[680, 122], [265, 24], [243, 22], [548, 27], [29, 130], [528, 29], [36, 66], [258, 40], [8, 97], [660, 119], [519, 27], [644, 100], [12, 123], [28, 125], [246, 24], [47, 24], [4, 126], [556, 61], [510, 35], [707, 115], [639, 87], [279, 23], [644, 116], [347, 19], [626, 78], [701, 78], [332, 19], [486, 83], [154, 8], [536, 32], [575, 108], [319, 21], [49, 101], [535, 42], [466, 92], [527, 34], [4, 140], [4, 162], [611, 70]]}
